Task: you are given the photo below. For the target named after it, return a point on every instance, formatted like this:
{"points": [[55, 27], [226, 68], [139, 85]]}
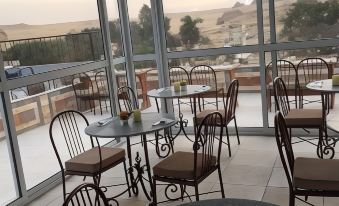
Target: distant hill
{"points": [[238, 4], [3, 35]]}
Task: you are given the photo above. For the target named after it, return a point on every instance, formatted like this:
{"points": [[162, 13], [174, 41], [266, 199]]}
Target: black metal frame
{"points": [[312, 69], [230, 106], [284, 144], [283, 105], [81, 196], [285, 70], [204, 142], [84, 91], [75, 146], [205, 75], [128, 101]]}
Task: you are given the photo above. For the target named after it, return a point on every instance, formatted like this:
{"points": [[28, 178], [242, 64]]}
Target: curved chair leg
{"points": [[228, 142], [196, 188], [154, 193], [236, 129], [64, 186], [127, 182], [292, 200], [221, 183]]}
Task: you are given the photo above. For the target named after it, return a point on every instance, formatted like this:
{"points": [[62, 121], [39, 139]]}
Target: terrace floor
{"points": [[253, 172]]}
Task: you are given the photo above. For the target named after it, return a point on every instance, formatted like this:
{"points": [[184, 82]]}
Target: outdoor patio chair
{"points": [[205, 75], [74, 156], [299, 118], [86, 194], [191, 168], [84, 92], [102, 90], [288, 72], [309, 70], [230, 105], [305, 176]]}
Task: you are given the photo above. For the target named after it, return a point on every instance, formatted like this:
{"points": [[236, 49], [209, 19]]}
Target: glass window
{"points": [[115, 28], [7, 189], [307, 20], [36, 33], [33, 115], [243, 67], [209, 24], [141, 26]]}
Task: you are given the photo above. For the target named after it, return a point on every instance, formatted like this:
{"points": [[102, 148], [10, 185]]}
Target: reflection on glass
{"points": [[141, 26], [307, 20], [201, 24]]}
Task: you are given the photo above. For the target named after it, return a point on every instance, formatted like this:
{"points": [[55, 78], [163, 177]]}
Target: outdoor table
{"points": [[115, 128], [169, 93], [326, 88], [228, 202]]}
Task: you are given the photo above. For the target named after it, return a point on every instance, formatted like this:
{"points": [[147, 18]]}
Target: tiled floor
{"points": [[254, 172]]}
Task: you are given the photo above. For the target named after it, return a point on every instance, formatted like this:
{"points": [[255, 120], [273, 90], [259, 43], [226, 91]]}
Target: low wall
{"points": [[37, 110]]}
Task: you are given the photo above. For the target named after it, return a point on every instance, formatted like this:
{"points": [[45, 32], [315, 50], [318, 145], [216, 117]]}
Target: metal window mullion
{"points": [[160, 48], [261, 41], [127, 42], [111, 77], [11, 137], [273, 37]]}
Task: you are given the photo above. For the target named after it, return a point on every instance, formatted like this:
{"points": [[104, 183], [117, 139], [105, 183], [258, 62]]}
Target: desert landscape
{"points": [[216, 24]]}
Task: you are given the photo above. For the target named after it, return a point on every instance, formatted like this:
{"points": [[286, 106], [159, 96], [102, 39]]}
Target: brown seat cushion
{"points": [[180, 165], [201, 115], [304, 118], [89, 161], [316, 174]]}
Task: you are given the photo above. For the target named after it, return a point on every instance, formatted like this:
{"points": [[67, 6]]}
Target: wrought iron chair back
{"points": [[68, 123], [208, 143], [281, 96], [230, 103], [286, 70], [205, 75], [86, 194], [127, 99], [284, 144], [84, 91], [178, 74], [313, 69]]}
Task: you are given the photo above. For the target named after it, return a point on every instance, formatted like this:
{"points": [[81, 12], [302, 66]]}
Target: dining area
{"points": [[158, 162]]}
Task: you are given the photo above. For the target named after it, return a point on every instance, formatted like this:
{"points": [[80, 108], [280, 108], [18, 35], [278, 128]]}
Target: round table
{"points": [[228, 202], [326, 87], [115, 128], [168, 93]]}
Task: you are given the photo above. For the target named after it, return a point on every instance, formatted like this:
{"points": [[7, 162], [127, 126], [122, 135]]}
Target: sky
{"points": [[37, 12]]}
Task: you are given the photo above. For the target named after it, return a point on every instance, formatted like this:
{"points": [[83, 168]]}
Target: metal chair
{"points": [[230, 105], [309, 70], [80, 158], [84, 92], [102, 89], [205, 75], [127, 99], [299, 118], [86, 194], [288, 72], [191, 168], [305, 176]]}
